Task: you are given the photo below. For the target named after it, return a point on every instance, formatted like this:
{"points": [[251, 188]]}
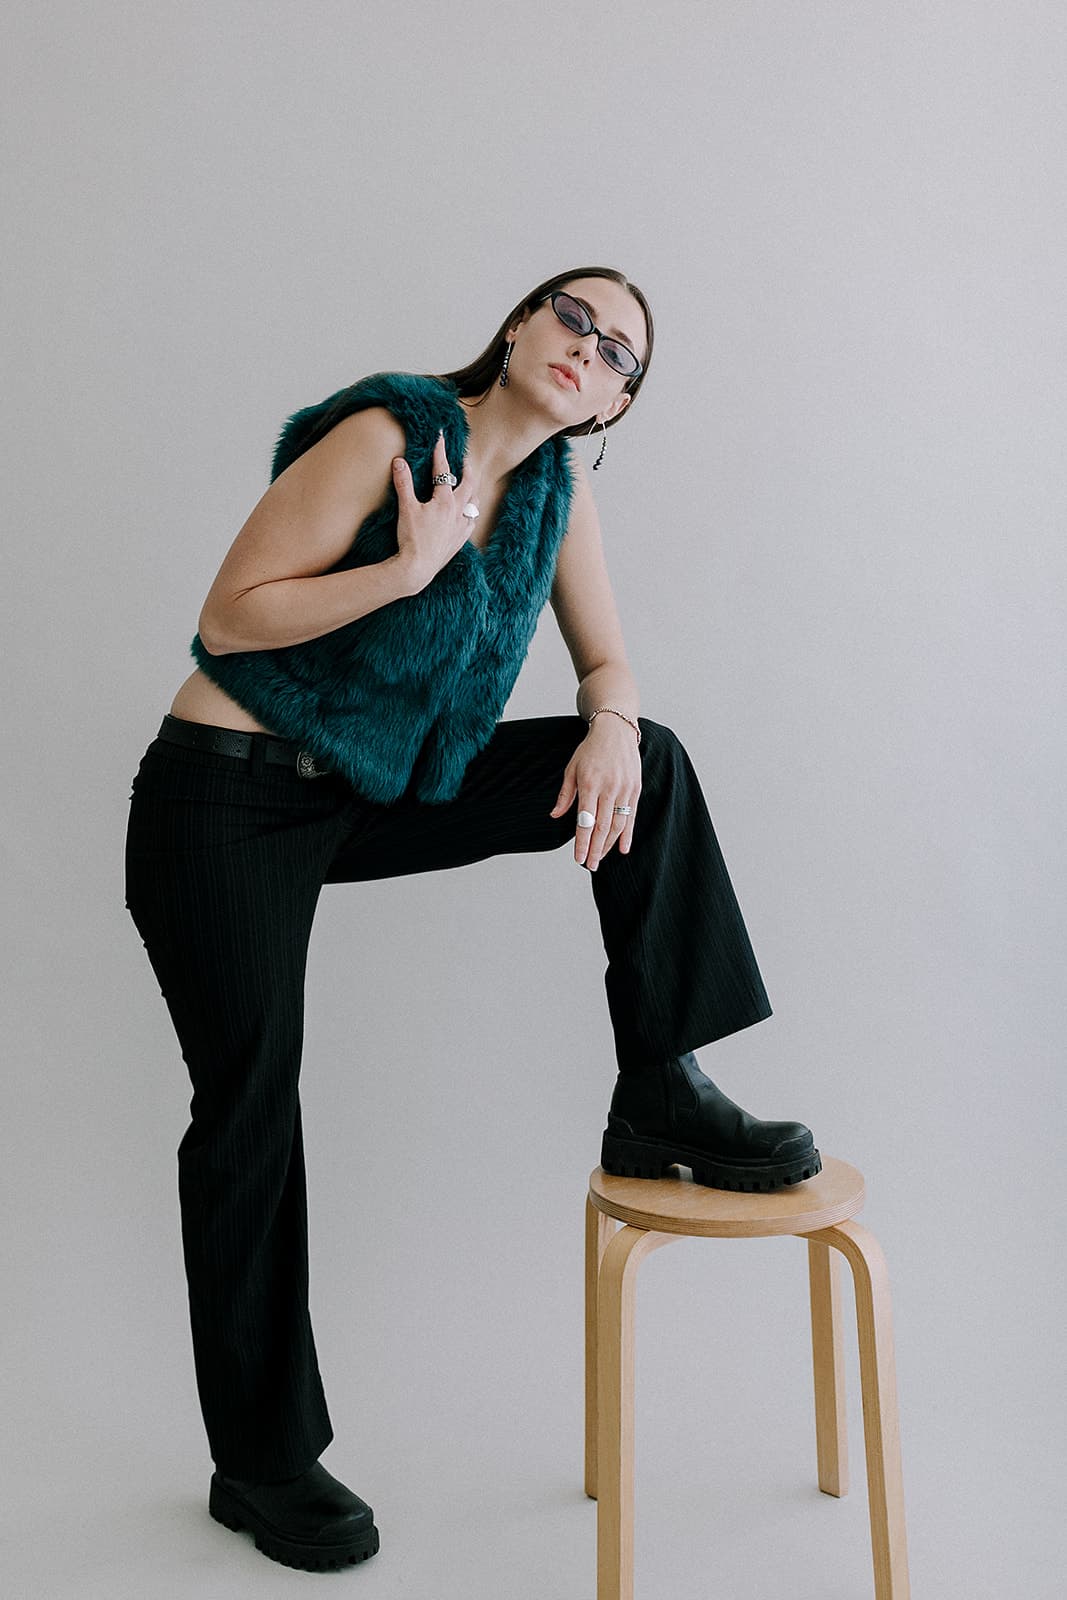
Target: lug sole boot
{"points": [[311, 1522], [672, 1114]]}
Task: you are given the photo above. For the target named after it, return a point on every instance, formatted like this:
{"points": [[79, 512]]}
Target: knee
{"points": [[664, 760], [657, 739]]}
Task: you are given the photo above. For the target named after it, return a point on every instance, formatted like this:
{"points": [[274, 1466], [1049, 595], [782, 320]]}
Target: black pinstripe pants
{"points": [[225, 859]]}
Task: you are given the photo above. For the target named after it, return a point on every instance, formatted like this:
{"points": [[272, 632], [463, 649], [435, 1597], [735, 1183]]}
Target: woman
{"points": [[354, 656]]}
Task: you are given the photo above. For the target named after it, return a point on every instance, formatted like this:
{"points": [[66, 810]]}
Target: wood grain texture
{"points": [[881, 1418], [615, 1410], [655, 1211], [828, 1366], [598, 1230], [676, 1204]]}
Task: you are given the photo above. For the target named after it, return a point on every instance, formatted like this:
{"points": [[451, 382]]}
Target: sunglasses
{"points": [[573, 315]]}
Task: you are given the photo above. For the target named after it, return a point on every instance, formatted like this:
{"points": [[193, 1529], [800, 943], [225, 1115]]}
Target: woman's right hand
{"points": [[429, 532]]}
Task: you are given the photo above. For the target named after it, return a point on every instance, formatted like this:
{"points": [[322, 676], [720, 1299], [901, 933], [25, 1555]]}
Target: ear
{"points": [[618, 405], [515, 326]]}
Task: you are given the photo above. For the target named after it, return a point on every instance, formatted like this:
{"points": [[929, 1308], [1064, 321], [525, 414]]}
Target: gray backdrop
{"points": [[835, 525]]}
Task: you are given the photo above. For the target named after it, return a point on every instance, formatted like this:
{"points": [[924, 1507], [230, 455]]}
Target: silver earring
{"points": [[504, 368], [603, 443]]}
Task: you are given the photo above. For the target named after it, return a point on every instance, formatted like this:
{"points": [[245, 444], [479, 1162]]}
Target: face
{"points": [[543, 344]]}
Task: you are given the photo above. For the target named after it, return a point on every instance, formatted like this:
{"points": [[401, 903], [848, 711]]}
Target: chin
{"points": [[569, 402], [557, 404]]}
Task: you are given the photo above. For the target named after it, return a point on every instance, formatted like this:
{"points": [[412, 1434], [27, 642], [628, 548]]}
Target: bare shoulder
{"points": [[373, 428], [363, 444]]}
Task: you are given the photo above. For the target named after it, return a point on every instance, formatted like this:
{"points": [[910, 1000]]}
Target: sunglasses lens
{"points": [[571, 314], [618, 357]]}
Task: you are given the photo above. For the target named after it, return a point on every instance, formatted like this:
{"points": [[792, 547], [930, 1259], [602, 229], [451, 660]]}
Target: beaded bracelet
{"points": [[615, 713]]}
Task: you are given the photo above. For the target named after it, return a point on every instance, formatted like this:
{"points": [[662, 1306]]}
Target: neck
{"points": [[502, 432]]}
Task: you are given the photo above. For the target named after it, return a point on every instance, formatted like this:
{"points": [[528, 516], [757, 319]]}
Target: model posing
{"points": [[354, 656]]}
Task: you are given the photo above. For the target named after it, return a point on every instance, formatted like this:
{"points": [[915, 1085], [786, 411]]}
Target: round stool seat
{"points": [[675, 1204]]}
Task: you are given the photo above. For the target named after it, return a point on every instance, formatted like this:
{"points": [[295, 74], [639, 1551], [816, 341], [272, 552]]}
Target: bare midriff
{"points": [[200, 700]]}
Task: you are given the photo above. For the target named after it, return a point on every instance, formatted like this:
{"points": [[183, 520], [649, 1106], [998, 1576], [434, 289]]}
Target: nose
{"points": [[583, 345]]}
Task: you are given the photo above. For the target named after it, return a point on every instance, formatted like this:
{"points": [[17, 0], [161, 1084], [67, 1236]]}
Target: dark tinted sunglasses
{"points": [[573, 315]]}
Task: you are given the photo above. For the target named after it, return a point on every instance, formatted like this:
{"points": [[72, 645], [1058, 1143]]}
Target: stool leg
{"points": [[881, 1420], [598, 1230], [828, 1362], [615, 1408]]}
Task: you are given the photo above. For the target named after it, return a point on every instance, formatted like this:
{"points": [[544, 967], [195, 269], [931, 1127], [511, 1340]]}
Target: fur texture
{"points": [[432, 672]]}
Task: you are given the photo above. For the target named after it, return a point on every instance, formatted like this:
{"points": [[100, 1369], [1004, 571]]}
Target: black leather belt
{"points": [[228, 742]]}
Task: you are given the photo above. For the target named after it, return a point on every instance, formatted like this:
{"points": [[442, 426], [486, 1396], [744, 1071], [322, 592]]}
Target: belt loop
{"points": [[257, 754]]}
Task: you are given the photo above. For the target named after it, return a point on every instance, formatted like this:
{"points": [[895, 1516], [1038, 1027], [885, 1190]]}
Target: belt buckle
{"points": [[305, 766]]}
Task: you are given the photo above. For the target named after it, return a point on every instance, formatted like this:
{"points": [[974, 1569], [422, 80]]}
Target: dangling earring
{"points": [[504, 368], [603, 443]]}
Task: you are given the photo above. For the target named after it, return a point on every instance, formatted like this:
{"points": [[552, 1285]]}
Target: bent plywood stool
{"points": [[655, 1211]]}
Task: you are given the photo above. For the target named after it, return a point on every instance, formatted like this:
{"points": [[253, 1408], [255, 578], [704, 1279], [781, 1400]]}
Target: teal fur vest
{"points": [[429, 673]]}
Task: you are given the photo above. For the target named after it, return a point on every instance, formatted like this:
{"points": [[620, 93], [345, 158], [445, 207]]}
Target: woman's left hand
{"points": [[604, 772]]}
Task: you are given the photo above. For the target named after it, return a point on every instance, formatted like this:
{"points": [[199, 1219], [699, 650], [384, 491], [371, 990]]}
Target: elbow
{"points": [[224, 625], [210, 637]]}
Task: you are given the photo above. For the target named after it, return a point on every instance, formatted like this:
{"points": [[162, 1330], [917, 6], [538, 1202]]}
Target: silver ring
{"points": [[625, 811], [445, 477], [586, 819]]}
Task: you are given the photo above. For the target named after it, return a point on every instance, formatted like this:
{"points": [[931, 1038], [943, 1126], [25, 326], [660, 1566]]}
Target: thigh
{"points": [[503, 807], [223, 872]]}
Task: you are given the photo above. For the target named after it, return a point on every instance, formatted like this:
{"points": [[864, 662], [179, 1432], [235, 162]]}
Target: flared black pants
{"points": [[225, 858]]}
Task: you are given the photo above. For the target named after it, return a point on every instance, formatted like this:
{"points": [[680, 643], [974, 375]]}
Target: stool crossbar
{"points": [[652, 1212]]}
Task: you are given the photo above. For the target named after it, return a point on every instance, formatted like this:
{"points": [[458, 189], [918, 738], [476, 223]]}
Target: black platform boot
{"points": [[312, 1522], [672, 1113]]}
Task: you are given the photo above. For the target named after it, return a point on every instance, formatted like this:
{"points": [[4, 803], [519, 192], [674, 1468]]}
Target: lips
{"points": [[567, 374]]}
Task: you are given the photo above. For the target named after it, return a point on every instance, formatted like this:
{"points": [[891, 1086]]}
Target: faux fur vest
{"points": [[429, 673]]}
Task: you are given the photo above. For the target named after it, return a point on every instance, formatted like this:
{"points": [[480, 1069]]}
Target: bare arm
{"points": [[585, 609], [605, 770], [274, 587]]}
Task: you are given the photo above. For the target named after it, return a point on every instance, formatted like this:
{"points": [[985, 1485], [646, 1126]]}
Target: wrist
{"points": [[613, 716], [410, 576]]}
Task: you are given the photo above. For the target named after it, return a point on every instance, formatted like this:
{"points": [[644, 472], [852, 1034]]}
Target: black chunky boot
{"points": [[671, 1113], [312, 1522]]}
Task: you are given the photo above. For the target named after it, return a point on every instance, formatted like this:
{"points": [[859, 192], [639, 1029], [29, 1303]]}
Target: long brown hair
{"points": [[477, 377]]}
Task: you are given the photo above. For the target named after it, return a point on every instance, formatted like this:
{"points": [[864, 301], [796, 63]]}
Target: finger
{"points": [[627, 838], [599, 842], [567, 793], [584, 829], [441, 491], [614, 835], [620, 825], [466, 489], [405, 493], [623, 824]]}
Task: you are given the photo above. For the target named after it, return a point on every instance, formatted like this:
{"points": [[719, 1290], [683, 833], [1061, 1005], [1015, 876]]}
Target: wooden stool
{"points": [[654, 1211]]}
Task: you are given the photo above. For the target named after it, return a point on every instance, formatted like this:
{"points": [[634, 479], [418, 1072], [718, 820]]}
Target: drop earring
{"points": [[603, 443], [504, 368]]}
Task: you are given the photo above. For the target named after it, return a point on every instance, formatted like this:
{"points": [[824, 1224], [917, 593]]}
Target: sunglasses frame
{"points": [[561, 294]]}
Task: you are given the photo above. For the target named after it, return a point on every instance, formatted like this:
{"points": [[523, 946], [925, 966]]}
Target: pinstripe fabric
{"points": [[225, 860]]}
